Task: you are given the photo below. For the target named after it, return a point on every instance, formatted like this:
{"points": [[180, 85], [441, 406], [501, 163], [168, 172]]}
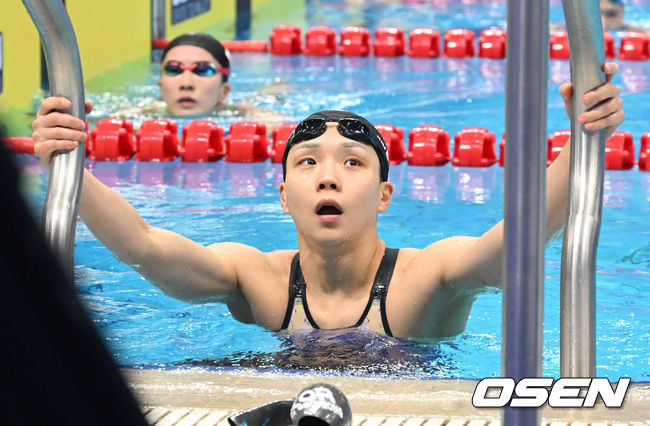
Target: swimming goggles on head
{"points": [[201, 68], [351, 128]]}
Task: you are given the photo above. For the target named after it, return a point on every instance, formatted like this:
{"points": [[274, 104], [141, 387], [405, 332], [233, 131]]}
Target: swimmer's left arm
{"points": [[476, 262]]}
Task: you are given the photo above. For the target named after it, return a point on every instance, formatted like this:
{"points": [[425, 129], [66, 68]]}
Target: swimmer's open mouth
{"points": [[328, 207], [186, 101]]}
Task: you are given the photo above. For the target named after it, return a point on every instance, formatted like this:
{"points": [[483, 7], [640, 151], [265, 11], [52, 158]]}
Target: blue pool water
{"points": [[239, 202]]}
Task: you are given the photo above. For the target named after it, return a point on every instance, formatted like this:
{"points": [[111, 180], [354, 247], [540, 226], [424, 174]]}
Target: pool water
{"points": [[239, 202]]}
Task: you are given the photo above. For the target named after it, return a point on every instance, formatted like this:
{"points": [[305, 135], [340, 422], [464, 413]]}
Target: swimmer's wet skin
{"points": [[336, 181]]}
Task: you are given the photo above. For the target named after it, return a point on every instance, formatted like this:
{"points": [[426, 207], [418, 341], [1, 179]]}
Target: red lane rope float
{"points": [[619, 151], [394, 138], [634, 46], [246, 45], [644, 154], [492, 44], [559, 45], [203, 141], [112, 140], [389, 41], [157, 140], [19, 144], [423, 42], [320, 40], [355, 41], [247, 142], [159, 43], [610, 45], [554, 144], [428, 146], [280, 136], [285, 40], [459, 43], [502, 150], [474, 147]]}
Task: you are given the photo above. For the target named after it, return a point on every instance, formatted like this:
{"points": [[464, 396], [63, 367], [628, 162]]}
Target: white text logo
{"points": [[534, 392]]}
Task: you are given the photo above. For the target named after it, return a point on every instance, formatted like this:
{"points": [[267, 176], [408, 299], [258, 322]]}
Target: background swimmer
{"points": [[612, 15], [194, 73]]}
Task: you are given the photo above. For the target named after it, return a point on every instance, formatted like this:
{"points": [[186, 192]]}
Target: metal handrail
{"points": [[66, 172], [525, 195], [578, 295]]}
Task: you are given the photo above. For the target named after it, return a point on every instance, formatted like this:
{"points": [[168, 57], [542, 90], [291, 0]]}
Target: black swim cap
{"points": [[351, 126], [206, 42]]}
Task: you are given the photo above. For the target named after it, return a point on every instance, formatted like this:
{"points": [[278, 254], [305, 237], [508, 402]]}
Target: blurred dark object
{"points": [[56, 369]]}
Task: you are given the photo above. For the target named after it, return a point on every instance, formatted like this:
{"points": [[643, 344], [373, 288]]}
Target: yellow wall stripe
{"points": [[114, 40]]}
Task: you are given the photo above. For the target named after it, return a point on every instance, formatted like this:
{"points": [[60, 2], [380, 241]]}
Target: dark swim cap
{"points": [[350, 125], [205, 42]]}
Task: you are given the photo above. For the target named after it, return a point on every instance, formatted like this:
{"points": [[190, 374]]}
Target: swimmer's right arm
{"points": [[180, 267]]}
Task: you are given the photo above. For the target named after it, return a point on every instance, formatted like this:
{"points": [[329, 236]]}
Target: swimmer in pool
{"points": [[194, 72], [612, 16], [335, 167]]}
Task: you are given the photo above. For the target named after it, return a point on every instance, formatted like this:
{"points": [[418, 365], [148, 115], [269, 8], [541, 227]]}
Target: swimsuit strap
{"points": [[378, 292], [294, 288], [297, 289], [382, 281], [301, 291]]}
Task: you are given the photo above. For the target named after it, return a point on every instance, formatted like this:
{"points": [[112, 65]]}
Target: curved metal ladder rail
{"points": [[66, 171], [578, 287]]}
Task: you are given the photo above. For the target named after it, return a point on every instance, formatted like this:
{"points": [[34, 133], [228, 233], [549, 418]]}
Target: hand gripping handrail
{"points": [[66, 171], [578, 296]]}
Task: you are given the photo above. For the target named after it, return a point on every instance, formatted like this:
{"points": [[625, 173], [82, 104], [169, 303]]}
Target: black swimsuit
{"points": [[298, 316]]}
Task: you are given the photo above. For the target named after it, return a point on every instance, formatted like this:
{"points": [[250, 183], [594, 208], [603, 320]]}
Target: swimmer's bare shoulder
{"points": [[636, 28], [155, 107], [268, 117], [263, 283], [433, 289]]}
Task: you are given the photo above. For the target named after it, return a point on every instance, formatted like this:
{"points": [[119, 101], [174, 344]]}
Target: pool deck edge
{"points": [[229, 391]]}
